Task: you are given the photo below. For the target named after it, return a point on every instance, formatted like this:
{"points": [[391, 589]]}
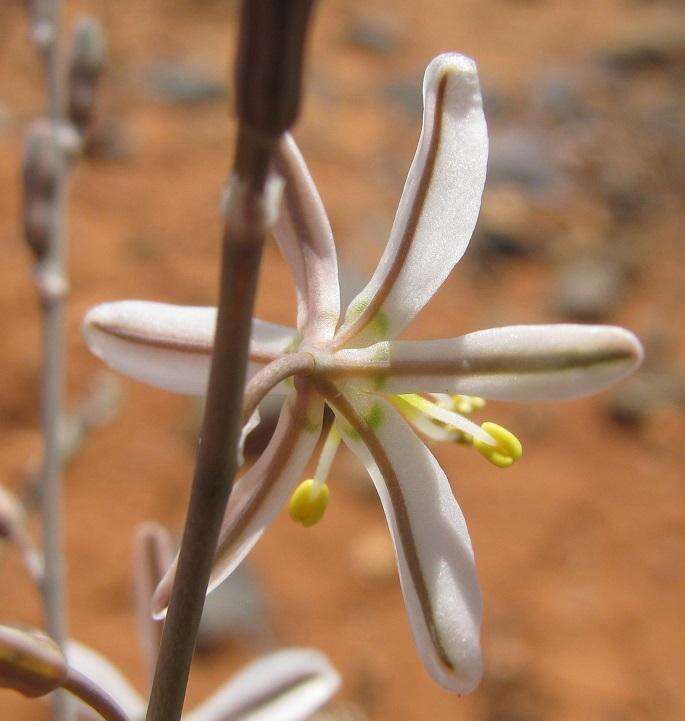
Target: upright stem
{"points": [[268, 73], [216, 459], [52, 286]]}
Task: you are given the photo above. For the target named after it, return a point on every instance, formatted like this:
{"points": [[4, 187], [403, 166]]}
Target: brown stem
{"points": [[271, 44], [216, 463]]}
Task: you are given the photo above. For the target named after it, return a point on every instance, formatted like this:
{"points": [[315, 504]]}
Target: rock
{"points": [[183, 84], [647, 46], [557, 96], [109, 139], [588, 289], [503, 227], [640, 397], [236, 608], [375, 34], [519, 156], [407, 94]]}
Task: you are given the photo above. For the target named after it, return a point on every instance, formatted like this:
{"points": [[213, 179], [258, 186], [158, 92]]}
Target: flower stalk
{"points": [[52, 144], [268, 78]]}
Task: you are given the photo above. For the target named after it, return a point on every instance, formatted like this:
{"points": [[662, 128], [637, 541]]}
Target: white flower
{"points": [[374, 383]]}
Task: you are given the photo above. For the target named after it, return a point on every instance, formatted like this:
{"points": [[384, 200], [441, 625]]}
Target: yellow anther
{"points": [[507, 449], [467, 404], [308, 502]]}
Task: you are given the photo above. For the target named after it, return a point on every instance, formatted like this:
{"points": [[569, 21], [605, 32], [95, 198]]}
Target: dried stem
{"points": [[270, 55]]}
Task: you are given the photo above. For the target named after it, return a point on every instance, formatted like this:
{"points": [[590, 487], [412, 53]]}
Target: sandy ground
{"points": [[579, 547]]}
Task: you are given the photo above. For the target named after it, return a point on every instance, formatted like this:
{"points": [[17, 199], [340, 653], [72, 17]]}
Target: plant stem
{"points": [[216, 461], [268, 71], [52, 286]]}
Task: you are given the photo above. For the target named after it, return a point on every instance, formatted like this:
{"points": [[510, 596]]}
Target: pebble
{"points": [[647, 46], [378, 35], [519, 156], [588, 289], [503, 228], [236, 608], [557, 96], [634, 402], [407, 94], [183, 84]]}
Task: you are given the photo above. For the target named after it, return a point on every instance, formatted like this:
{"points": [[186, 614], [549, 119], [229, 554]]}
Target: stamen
{"points": [[435, 430], [330, 446], [449, 417], [467, 404], [310, 499], [506, 450], [308, 502]]}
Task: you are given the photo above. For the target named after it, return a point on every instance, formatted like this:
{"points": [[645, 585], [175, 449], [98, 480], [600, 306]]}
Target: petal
{"points": [[438, 208], [153, 552], [169, 346], [288, 685], [514, 363], [14, 531], [434, 554], [261, 493], [107, 677], [305, 238]]}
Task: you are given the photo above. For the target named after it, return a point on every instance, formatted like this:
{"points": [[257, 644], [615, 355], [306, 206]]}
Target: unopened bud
{"points": [[37, 224], [42, 160], [85, 68], [30, 662]]}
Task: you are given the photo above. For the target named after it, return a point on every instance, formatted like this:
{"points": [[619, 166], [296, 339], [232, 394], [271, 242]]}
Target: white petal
{"points": [[305, 238], [288, 685], [105, 675], [438, 209], [514, 363], [170, 346], [153, 552], [261, 493], [434, 554]]}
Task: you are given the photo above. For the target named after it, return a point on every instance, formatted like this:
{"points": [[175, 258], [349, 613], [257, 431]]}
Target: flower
{"points": [[286, 685], [373, 383]]}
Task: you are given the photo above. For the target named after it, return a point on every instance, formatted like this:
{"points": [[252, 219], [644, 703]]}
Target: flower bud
{"points": [[85, 69], [30, 662]]}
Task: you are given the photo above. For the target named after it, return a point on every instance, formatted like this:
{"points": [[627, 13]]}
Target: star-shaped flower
{"points": [[373, 383]]}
